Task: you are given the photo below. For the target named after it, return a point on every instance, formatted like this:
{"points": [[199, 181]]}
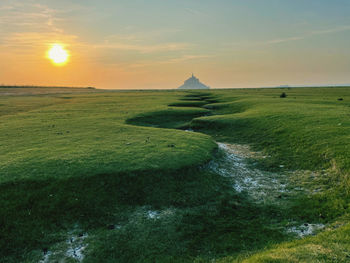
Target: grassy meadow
{"points": [[122, 173]]}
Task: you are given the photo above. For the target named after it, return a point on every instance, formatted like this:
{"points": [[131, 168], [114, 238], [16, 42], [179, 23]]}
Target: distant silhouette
{"points": [[193, 83]]}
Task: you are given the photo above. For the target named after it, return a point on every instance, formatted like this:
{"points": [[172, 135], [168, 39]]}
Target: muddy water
{"points": [[263, 187], [72, 250]]}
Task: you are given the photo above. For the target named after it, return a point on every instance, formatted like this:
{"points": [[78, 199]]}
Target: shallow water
{"points": [[261, 186], [72, 248], [305, 229], [76, 247]]}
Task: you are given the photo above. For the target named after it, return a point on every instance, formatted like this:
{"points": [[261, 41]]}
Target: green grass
{"points": [[333, 245], [86, 134], [55, 156], [106, 158]]}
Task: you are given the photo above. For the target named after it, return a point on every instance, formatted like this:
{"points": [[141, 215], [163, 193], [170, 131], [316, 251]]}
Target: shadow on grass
{"points": [[210, 217], [170, 118]]}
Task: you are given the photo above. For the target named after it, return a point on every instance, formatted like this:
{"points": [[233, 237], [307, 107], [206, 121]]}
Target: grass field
{"points": [[118, 177]]}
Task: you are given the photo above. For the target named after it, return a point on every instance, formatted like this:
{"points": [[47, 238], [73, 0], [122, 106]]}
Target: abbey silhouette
{"points": [[193, 83]]}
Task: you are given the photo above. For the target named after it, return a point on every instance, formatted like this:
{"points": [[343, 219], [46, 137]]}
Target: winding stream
{"points": [[263, 187]]}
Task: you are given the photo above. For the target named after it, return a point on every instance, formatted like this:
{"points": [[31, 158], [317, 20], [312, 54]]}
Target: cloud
{"points": [[144, 48], [28, 29], [34, 39], [32, 27], [143, 41], [185, 58], [135, 34], [29, 25], [194, 11], [33, 17], [281, 40], [173, 60], [293, 38], [331, 30], [310, 34]]}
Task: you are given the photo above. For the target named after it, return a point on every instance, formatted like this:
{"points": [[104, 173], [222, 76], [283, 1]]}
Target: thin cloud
{"points": [[193, 11], [33, 39], [142, 42], [185, 58], [36, 25], [282, 40], [143, 36], [144, 48], [27, 14], [310, 34], [331, 30], [28, 29], [294, 38], [173, 60], [316, 32]]}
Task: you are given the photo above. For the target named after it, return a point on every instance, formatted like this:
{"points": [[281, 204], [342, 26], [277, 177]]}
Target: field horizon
{"points": [[160, 89]]}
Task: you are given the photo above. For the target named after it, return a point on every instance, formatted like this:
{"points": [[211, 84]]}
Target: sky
{"points": [[156, 44]]}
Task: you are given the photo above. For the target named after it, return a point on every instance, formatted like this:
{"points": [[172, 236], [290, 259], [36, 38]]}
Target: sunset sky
{"points": [[134, 44]]}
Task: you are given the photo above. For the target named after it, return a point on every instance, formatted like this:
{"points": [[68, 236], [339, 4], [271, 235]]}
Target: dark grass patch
{"points": [[226, 226], [188, 104], [198, 94], [212, 100], [209, 218], [32, 212], [171, 118], [194, 98]]}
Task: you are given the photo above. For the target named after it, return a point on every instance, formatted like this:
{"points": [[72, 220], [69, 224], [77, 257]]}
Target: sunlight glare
{"points": [[58, 55]]}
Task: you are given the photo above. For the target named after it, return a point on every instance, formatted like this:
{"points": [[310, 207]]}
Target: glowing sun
{"points": [[58, 55]]}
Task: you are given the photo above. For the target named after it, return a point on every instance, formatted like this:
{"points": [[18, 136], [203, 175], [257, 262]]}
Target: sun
{"points": [[58, 55]]}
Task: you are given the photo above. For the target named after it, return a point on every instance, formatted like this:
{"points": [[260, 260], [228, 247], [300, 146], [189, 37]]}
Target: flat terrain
{"points": [[175, 176]]}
